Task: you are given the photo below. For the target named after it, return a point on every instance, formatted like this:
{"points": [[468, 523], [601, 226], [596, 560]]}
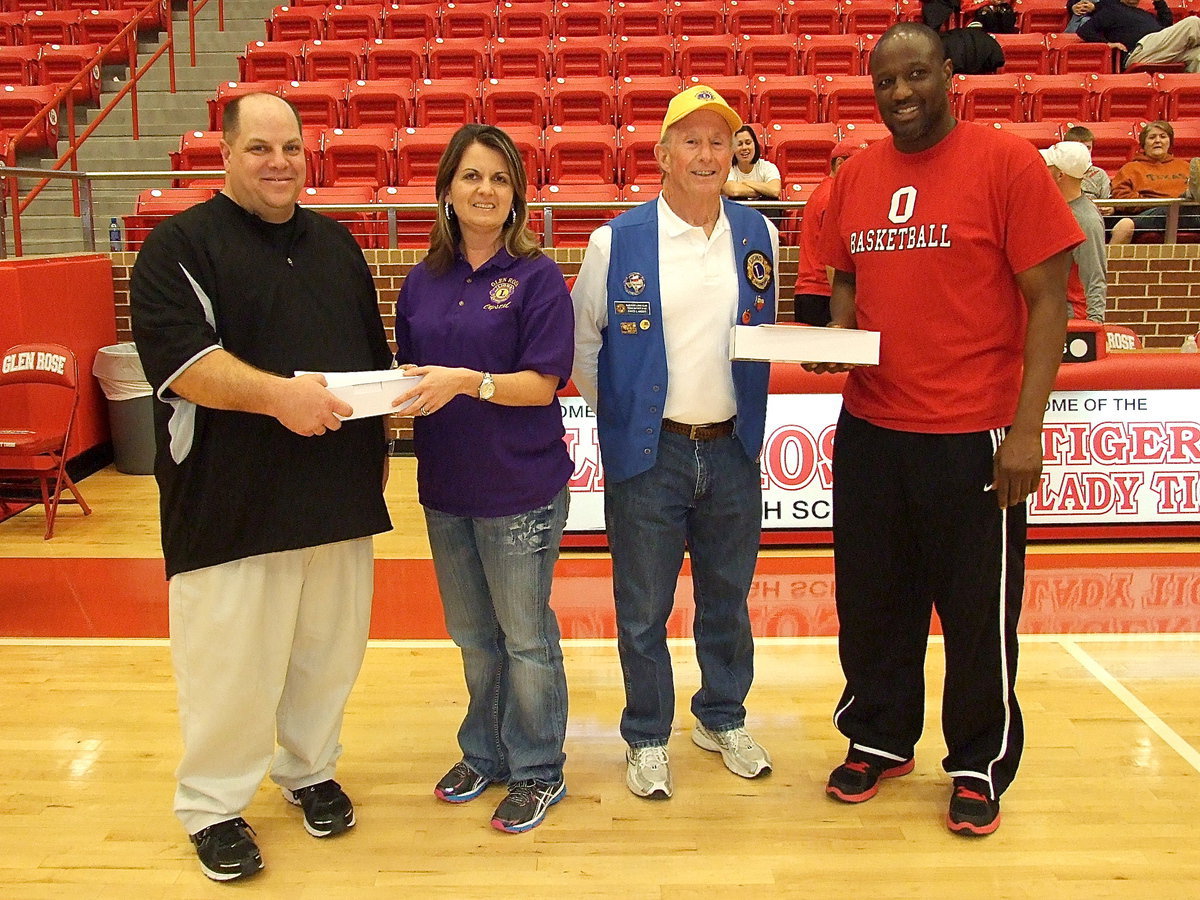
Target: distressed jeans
{"points": [[494, 576], [705, 496]]}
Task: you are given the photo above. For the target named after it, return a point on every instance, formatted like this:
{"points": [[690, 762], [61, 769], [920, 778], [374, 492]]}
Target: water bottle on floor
{"points": [[114, 235]]}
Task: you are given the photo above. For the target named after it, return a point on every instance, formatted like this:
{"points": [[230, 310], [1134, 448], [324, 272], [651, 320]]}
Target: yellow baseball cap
{"points": [[701, 96]]}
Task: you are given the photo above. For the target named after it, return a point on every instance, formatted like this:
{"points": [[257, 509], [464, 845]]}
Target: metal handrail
{"points": [[87, 213], [193, 8]]}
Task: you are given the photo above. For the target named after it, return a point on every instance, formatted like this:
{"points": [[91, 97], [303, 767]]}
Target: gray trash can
{"points": [[130, 407]]}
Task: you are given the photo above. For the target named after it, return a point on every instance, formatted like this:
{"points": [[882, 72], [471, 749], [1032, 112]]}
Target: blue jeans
{"points": [[494, 577], [704, 495]]}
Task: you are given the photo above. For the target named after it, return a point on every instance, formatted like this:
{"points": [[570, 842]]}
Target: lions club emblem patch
{"points": [[758, 269], [635, 283], [501, 292]]}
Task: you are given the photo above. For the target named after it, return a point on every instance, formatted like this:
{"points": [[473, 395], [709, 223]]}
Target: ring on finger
{"points": [[424, 411]]}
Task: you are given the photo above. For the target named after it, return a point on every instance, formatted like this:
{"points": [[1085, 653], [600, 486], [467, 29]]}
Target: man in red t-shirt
{"points": [[813, 277], [951, 240]]}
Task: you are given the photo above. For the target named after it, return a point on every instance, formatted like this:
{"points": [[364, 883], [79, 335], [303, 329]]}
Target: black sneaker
{"points": [[460, 784], [526, 804], [327, 809], [857, 780], [972, 813], [227, 850]]}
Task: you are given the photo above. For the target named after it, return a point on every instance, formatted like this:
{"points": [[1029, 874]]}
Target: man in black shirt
{"points": [[1144, 38], [268, 499]]}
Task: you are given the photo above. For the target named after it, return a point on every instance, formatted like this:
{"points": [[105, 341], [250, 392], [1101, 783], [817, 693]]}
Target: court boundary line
{"points": [[1149, 718]]}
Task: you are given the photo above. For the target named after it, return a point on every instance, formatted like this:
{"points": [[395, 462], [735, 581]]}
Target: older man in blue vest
{"points": [[680, 429]]}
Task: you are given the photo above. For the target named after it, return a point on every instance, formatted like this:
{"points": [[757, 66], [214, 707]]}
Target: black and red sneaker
{"points": [[857, 779], [972, 813]]}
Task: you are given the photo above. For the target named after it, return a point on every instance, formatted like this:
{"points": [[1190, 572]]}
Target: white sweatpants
{"points": [[265, 650]]}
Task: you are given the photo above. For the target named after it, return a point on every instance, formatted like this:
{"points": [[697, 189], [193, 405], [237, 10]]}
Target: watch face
{"points": [[487, 388]]}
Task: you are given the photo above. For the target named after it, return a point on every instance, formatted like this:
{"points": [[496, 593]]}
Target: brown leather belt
{"points": [[708, 432]]}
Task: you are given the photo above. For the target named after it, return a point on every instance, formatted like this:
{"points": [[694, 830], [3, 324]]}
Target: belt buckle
{"points": [[694, 431]]}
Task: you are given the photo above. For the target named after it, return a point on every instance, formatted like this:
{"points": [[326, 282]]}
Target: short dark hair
{"points": [[912, 29], [754, 137], [231, 114], [1079, 133], [1163, 126]]}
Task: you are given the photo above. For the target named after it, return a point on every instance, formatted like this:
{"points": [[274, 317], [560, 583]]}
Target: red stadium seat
{"points": [[1114, 143], [734, 89], [583, 56], [849, 98], [1024, 54], [768, 54], [695, 19], [515, 101], [637, 162], [757, 17], [227, 90], [830, 54], [643, 55], [706, 55], [418, 151], [18, 105], [580, 154], [39, 404], [1186, 144], [528, 141], [318, 102], [58, 65], [868, 16], [417, 22], [19, 65], [525, 20], [382, 101], [801, 151], [447, 101], [1042, 16], [518, 57], [51, 27], [358, 156], [326, 60], [395, 58], [360, 222], [642, 101], [156, 204], [1040, 134], [1056, 98], [1181, 95], [363, 22], [639, 193], [811, 17], [10, 28], [457, 58], [155, 21], [638, 19], [471, 20], [100, 26], [1125, 96], [413, 226], [1069, 54], [583, 100], [988, 98], [573, 227], [272, 61], [584, 18], [864, 132], [296, 23], [199, 151], [791, 99]]}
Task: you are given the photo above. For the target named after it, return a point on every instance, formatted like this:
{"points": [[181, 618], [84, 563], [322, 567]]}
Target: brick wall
{"points": [[1153, 289]]}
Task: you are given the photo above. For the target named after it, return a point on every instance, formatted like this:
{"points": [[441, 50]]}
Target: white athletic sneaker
{"points": [[648, 773], [741, 753]]}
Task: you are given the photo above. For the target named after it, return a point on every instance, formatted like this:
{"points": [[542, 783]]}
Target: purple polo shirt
{"points": [[476, 458]]}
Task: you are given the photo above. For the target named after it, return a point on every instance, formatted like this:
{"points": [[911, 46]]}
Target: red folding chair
{"points": [[457, 58], [418, 151], [515, 101], [157, 205], [811, 17], [296, 23], [358, 156], [100, 26], [329, 60], [830, 54], [644, 56], [801, 151], [19, 104], [525, 20], [768, 54], [851, 98], [272, 61], [383, 101], [636, 152], [1043, 16], [868, 16], [643, 101], [39, 387], [474, 21], [572, 227], [785, 99], [582, 56], [584, 18], [988, 98], [447, 101], [583, 100], [413, 226], [581, 154], [1125, 96], [199, 151], [318, 102], [756, 17], [1180, 95], [519, 57], [363, 22], [414, 22], [19, 65], [1024, 54], [639, 19], [395, 58], [1056, 98], [706, 55], [51, 26], [695, 19]]}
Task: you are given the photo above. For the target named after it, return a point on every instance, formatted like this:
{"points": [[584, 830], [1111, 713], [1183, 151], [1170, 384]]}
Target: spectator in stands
{"points": [[1144, 38], [936, 13], [1152, 173], [972, 50], [1096, 183], [1079, 11], [269, 499], [681, 429], [751, 177], [813, 278], [487, 300], [1087, 283]]}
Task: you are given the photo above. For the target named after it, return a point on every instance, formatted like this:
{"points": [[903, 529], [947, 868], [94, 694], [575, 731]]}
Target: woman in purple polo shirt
{"points": [[487, 323]]}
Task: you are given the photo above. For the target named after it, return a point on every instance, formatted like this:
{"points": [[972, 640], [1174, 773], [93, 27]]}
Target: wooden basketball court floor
{"points": [[1107, 803]]}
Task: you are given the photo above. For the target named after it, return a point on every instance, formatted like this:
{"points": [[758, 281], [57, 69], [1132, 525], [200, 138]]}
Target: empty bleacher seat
{"points": [[445, 101], [643, 55], [1125, 96], [412, 225], [272, 61], [801, 151], [847, 98], [361, 223], [1056, 98], [573, 227], [156, 205], [198, 151], [1043, 16], [584, 18], [325, 60], [318, 102], [18, 65], [101, 26], [586, 56], [456, 58], [830, 54], [988, 98], [1069, 54], [695, 19], [636, 149], [755, 17], [583, 100], [18, 105], [296, 23], [525, 20], [735, 89], [382, 101], [515, 101], [868, 16], [361, 21], [418, 22], [418, 151], [1040, 134], [768, 54], [358, 156], [580, 154], [519, 57], [1024, 54], [59, 64], [785, 99], [811, 17], [1180, 95], [395, 58], [644, 100], [638, 19], [51, 27], [706, 55]]}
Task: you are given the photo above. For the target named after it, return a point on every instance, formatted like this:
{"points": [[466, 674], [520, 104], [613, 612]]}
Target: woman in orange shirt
{"points": [[1152, 173]]}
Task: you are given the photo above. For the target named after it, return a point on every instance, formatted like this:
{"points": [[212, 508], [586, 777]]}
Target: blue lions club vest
{"points": [[632, 364]]}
